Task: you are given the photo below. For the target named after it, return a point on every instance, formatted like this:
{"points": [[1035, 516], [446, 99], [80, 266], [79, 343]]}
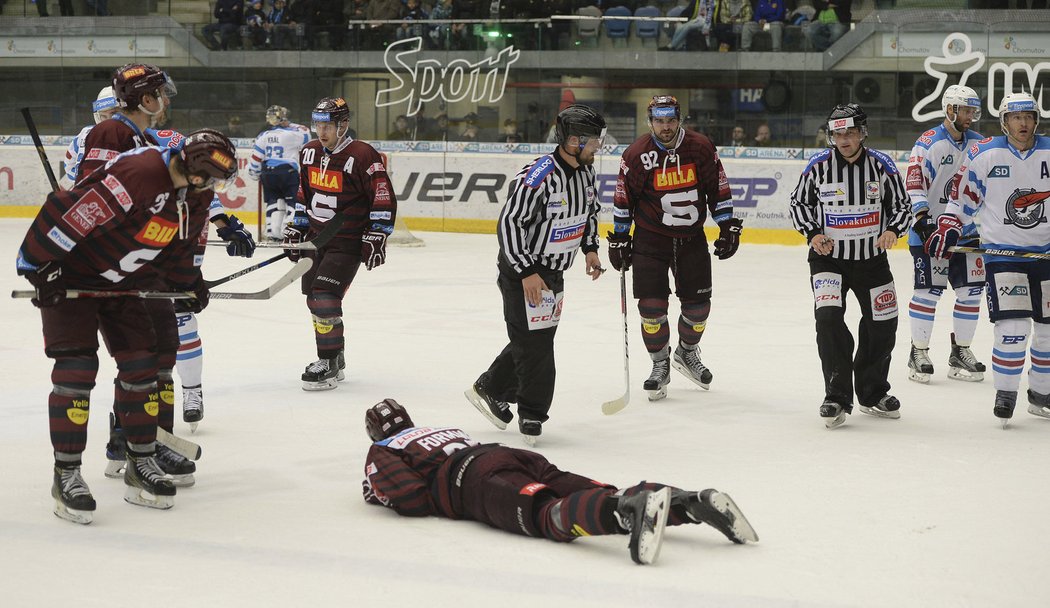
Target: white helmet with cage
{"points": [[959, 95], [1017, 102], [105, 102]]}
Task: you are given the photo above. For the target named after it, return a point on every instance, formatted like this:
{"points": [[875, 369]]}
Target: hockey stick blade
{"points": [[301, 267], [611, 407], [616, 405], [241, 273], [331, 228], [185, 447]]}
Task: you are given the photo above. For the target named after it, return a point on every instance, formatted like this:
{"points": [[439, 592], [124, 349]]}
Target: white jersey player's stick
{"points": [[611, 407], [1006, 252], [331, 228], [185, 447]]}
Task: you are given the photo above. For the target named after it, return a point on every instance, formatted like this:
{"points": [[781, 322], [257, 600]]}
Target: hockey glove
{"points": [[373, 249], [619, 250], [295, 233], [49, 284], [728, 240], [198, 302], [949, 229], [239, 240], [924, 225]]}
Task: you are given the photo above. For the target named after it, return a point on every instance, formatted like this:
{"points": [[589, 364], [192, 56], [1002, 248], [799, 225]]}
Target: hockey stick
{"points": [[611, 407], [300, 268], [40, 149], [185, 447], [1005, 252], [241, 273], [331, 228]]}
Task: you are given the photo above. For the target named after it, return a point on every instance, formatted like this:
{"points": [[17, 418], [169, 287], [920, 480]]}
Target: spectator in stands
{"points": [[423, 128], [381, 34], [689, 123], [738, 137], [65, 8], [229, 17], [763, 137], [411, 14], [510, 132], [440, 132], [832, 21], [301, 15], [254, 20], [767, 12], [234, 127], [401, 130], [700, 13], [730, 17], [355, 11], [821, 140], [450, 36], [328, 17], [276, 26], [470, 132]]}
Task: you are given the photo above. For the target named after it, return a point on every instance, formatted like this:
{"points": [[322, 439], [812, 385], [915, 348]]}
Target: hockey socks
{"points": [[1008, 352], [656, 333], [693, 321]]}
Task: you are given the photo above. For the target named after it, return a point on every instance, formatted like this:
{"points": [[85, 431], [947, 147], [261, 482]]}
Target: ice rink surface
{"points": [[939, 508]]}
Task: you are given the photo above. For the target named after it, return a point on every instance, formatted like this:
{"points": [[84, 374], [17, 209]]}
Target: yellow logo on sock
{"points": [[151, 407], [323, 326], [78, 414], [578, 531], [650, 327], [700, 327]]}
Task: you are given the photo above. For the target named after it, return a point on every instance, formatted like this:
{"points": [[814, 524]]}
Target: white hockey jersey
{"points": [[277, 146], [932, 166], [75, 153], [1006, 191]]}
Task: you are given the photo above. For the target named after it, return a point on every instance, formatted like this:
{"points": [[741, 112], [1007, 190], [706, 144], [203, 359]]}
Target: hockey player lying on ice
{"points": [[420, 471]]}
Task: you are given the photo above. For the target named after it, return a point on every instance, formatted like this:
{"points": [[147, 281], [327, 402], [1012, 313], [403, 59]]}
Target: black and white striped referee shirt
{"points": [[550, 215], [853, 203]]}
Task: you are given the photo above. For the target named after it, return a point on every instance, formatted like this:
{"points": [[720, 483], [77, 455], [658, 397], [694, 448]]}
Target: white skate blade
{"points": [[658, 394], [193, 427], [742, 529], [1039, 410], [657, 507], [958, 373], [479, 404], [324, 385], [1004, 422], [836, 422], [682, 369], [872, 411], [115, 469], [921, 378], [78, 517], [530, 440], [183, 481], [142, 498]]}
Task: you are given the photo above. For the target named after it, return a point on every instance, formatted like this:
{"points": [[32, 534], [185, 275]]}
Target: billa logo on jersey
{"points": [[89, 212], [675, 178], [327, 181], [157, 232], [854, 220]]}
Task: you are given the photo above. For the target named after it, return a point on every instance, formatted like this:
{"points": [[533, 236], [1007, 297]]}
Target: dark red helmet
{"points": [[331, 109], [385, 419], [664, 106], [133, 80], [211, 155]]}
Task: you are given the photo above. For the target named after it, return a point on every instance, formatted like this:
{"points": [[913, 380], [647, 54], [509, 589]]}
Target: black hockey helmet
{"points": [[331, 109], [275, 115], [133, 80], [664, 106], [845, 116], [386, 418], [211, 155], [581, 121]]}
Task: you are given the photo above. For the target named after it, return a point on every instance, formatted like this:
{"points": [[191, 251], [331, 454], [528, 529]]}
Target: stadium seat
{"points": [[647, 30], [587, 29], [617, 30], [669, 26]]}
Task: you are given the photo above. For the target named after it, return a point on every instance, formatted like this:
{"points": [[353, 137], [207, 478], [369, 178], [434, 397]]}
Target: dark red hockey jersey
{"points": [[107, 140], [411, 471], [352, 180], [109, 231], [669, 190]]}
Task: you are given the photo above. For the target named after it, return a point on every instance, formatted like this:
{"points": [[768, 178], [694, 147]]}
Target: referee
{"points": [[551, 214], [852, 206]]}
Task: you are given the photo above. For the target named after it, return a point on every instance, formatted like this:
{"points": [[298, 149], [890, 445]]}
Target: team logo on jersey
{"points": [[948, 187], [674, 178], [327, 181], [382, 193], [157, 233], [89, 212], [114, 186], [871, 189], [1026, 208]]}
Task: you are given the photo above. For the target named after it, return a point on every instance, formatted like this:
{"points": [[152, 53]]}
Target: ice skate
{"points": [[887, 407], [717, 510], [688, 363], [920, 367], [116, 455], [147, 484], [834, 415], [192, 406], [644, 515], [73, 500], [530, 431], [1038, 404], [1005, 401], [963, 365], [495, 411], [176, 466], [324, 374], [657, 382]]}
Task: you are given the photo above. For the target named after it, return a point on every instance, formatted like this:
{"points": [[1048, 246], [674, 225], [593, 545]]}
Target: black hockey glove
{"points": [[239, 240], [619, 250], [293, 235], [198, 302], [924, 225], [728, 240], [373, 249], [49, 284]]}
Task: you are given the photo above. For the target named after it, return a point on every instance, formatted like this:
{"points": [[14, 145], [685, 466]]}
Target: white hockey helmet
{"points": [[105, 101], [961, 95], [1017, 102]]}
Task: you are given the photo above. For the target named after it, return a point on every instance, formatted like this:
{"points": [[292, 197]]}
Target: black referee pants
{"points": [[869, 368], [524, 372]]}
